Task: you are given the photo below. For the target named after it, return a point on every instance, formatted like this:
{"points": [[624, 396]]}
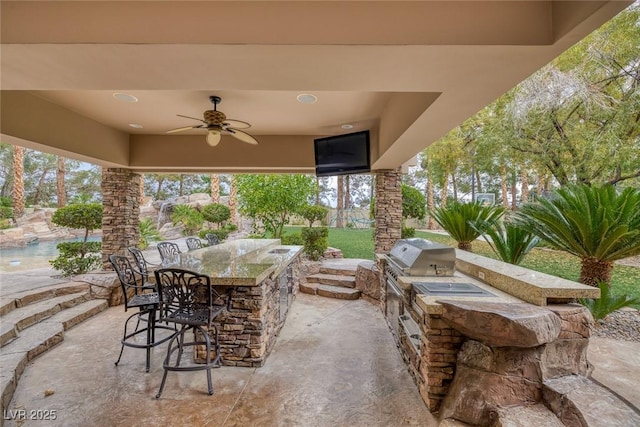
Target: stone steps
{"points": [[333, 280], [34, 321], [341, 266], [23, 317], [330, 291]]}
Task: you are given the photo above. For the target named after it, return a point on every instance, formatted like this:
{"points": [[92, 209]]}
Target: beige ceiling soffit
{"points": [[401, 111], [32, 119], [305, 171], [175, 152], [280, 22]]}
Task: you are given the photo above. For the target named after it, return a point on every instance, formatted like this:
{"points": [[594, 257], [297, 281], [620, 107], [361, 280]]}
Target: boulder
{"points": [[502, 324], [103, 285], [368, 280], [565, 357], [576, 320]]}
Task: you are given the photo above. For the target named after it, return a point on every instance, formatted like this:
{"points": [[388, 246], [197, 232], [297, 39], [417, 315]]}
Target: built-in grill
{"points": [[412, 257]]}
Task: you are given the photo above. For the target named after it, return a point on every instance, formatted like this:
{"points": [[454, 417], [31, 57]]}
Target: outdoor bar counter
{"points": [[264, 278]]}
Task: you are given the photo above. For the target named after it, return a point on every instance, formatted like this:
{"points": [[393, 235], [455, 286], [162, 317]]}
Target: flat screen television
{"points": [[342, 154]]}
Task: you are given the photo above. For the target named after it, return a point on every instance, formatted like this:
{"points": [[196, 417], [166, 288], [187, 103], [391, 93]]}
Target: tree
{"points": [[60, 177], [18, 182], [215, 188], [216, 213], [78, 257], [457, 220], [272, 199], [596, 224], [508, 241]]}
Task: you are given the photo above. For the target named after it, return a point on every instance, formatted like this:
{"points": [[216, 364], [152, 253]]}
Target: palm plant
{"points": [[148, 232], [457, 218], [509, 242], [596, 224], [607, 303]]}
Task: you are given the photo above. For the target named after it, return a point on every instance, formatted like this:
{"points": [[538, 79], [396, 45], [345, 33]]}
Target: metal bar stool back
{"points": [[141, 262], [168, 250], [212, 239], [193, 300], [138, 295], [193, 243]]}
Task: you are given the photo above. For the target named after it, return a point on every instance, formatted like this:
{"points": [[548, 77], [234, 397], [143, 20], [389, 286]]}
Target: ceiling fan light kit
{"points": [[216, 123]]}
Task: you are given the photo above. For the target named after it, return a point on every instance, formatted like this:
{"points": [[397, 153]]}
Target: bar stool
{"points": [[194, 297], [212, 239], [146, 300], [193, 243], [168, 250]]}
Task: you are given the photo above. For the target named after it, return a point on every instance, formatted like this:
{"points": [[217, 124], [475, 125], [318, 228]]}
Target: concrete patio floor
{"points": [[334, 364]]}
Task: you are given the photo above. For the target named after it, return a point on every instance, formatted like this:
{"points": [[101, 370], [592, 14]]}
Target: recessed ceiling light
{"points": [[347, 126], [136, 125], [125, 97], [307, 98]]}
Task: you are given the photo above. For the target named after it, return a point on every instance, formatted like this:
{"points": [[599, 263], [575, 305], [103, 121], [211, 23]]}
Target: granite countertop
{"points": [[429, 303], [242, 262]]}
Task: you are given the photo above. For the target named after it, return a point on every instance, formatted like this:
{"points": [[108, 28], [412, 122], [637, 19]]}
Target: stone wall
{"points": [[121, 212], [248, 332], [388, 207]]}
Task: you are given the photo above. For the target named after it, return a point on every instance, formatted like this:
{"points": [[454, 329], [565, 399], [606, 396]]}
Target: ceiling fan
{"points": [[217, 124]]}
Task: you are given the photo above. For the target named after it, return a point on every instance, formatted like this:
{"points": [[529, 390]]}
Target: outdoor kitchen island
{"points": [[263, 276], [479, 335]]}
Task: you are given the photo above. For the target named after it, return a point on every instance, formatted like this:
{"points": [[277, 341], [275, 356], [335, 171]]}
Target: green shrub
{"points": [[148, 232], [222, 234], [315, 241], [230, 227], [216, 213], [313, 213], [190, 217], [607, 303], [408, 232], [292, 239], [255, 236], [508, 241], [6, 208], [76, 257]]}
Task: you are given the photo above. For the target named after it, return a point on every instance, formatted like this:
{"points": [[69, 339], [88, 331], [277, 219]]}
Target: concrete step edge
{"points": [[338, 292], [31, 296], [75, 315], [309, 288], [25, 317], [333, 279]]}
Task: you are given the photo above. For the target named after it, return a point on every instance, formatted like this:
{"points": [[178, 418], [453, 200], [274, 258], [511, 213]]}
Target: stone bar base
{"points": [[248, 332]]}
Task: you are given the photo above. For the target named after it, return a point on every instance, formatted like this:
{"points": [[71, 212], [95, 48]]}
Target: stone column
{"points": [[388, 209], [120, 212]]}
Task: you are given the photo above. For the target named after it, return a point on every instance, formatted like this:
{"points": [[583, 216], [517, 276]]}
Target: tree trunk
{"points": [[503, 186], [478, 182], [18, 182], [347, 192], [524, 178], [160, 182], [431, 205], [340, 203], [465, 246], [215, 188], [60, 176], [445, 192], [514, 191], [181, 185], [233, 200], [141, 189], [593, 271], [455, 187]]}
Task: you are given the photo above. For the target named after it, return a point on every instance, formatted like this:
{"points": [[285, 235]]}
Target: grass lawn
{"points": [[357, 243]]}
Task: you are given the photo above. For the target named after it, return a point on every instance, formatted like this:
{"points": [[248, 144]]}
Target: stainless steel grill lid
{"points": [[420, 257]]}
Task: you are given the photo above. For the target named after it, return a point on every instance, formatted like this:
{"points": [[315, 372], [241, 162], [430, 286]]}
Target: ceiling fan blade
{"points": [[192, 118], [243, 136], [236, 124], [184, 128]]}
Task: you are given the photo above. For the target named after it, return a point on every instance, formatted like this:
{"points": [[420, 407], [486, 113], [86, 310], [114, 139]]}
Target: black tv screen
{"points": [[342, 154]]}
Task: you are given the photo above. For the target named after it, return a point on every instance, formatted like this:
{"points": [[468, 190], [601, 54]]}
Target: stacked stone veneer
{"points": [[121, 212], [388, 206], [437, 362], [248, 331]]}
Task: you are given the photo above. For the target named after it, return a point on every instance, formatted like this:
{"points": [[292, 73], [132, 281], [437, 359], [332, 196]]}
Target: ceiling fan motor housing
{"points": [[214, 117]]}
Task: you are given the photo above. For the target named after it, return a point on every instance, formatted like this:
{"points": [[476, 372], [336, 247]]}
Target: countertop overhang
{"points": [[241, 262]]}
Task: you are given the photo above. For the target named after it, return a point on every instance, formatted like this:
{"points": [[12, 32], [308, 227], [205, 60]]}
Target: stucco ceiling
{"points": [[408, 70]]}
